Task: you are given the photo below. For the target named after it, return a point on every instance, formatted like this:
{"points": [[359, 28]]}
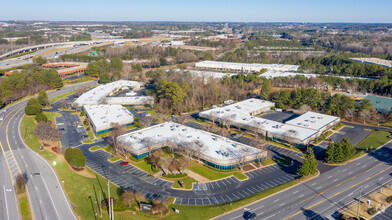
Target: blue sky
{"points": [[369, 11]]}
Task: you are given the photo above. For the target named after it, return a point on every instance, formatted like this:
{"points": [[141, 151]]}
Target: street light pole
{"points": [[359, 201]]}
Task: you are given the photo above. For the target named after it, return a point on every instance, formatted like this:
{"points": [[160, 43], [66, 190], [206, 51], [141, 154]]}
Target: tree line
{"points": [[28, 82]]}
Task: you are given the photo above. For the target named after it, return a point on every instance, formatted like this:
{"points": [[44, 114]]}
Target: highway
{"points": [[321, 197], [46, 195]]}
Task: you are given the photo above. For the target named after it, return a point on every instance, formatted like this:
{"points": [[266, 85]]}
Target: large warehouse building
{"points": [[246, 67], [104, 117], [101, 95], [212, 149], [300, 130]]}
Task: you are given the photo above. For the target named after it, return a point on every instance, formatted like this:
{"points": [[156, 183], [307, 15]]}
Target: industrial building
{"points": [[246, 67], [101, 95], [67, 68], [300, 131], [104, 117], [212, 149]]}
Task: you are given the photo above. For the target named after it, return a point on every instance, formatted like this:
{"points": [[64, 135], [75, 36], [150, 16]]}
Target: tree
{"points": [[40, 117], [104, 78], [116, 63], [43, 98], [39, 60], [75, 157], [339, 152], [364, 115], [116, 76], [365, 104], [147, 120], [309, 164], [137, 67], [162, 61], [266, 89], [128, 197], [116, 131], [45, 131], [32, 107], [349, 113], [207, 56]]}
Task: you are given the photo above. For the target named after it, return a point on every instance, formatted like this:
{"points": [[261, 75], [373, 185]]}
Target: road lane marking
{"points": [[354, 177], [338, 193], [6, 204]]}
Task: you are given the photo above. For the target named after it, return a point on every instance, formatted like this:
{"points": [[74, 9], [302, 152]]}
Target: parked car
{"points": [[124, 163]]}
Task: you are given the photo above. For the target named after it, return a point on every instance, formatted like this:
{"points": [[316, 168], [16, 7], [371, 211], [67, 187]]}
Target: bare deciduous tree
{"points": [[349, 113], [147, 120], [46, 131]]}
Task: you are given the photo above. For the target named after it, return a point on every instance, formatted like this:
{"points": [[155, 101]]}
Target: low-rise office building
{"points": [[101, 95], [212, 149], [246, 67], [301, 131], [104, 117], [315, 121]]}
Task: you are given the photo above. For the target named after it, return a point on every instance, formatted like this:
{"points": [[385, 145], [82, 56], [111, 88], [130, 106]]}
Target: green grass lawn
{"points": [[87, 141], [214, 174], [374, 139], [210, 211], [101, 135], [77, 193], [55, 99], [145, 166], [24, 208], [95, 148], [187, 183], [51, 116], [337, 127], [268, 161], [114, 159], [323, 136], [90, 134]]}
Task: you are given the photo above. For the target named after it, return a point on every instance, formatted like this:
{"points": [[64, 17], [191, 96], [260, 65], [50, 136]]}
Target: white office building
{"points": [[104, 117], [214, 150], [101, 95], [246, 67]]}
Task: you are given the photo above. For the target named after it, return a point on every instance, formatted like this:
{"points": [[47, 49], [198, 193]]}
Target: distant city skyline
{"points": [[347, 11]]}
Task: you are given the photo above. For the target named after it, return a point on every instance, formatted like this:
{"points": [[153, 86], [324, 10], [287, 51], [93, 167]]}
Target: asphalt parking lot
{"points": [[279, 116], [71, 133], [355, 134], [215, 192]]}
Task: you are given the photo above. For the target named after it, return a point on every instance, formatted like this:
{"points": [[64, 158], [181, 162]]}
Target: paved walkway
{"points": [[196, 176]]}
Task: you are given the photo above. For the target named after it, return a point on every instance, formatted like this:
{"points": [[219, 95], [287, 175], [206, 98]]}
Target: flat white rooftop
{"points": [[272, 127], [247, 106], [209, 74], [102, 116], [313, 120], [253, 67], [99, 94], [274, 74], [209, 144]]}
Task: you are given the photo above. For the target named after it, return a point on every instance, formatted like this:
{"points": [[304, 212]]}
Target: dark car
{"points": [[124, 163], [84, 136], [249, 215]]}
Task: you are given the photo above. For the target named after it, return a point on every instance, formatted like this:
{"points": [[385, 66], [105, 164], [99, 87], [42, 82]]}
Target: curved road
{"points": [[45, 192]]}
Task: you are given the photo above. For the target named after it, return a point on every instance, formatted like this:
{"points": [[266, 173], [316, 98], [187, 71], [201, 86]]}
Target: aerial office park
{"points": [[105, 109]]}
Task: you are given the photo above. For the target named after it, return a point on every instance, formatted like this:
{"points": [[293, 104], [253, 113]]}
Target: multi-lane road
{"points": [[46, 195], [322, 197]]}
